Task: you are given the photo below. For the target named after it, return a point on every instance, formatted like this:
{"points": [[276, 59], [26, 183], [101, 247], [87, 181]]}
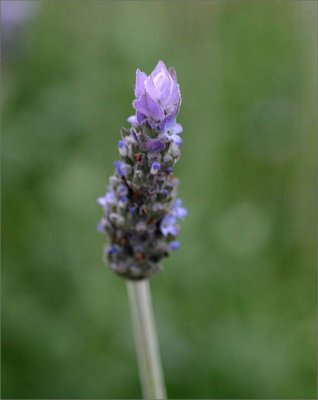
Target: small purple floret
{"points": [[107, 200], [133, 121], [174, 245], [101, 201], [112, 250], [154, 145], [122, 190], [155, 167], [100, 227], [165, 192], [178, 211], [119, 169], [122, 148], [168, 226]]}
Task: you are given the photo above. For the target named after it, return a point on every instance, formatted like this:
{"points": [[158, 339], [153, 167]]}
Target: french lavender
{"points": [[141, 208]]}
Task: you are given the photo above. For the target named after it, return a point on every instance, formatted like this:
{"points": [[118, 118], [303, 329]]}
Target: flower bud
{"points": [[155, 168], [122, 148]]}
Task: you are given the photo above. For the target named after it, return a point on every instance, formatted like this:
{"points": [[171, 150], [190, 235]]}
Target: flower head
{"points": [[141, 208]]}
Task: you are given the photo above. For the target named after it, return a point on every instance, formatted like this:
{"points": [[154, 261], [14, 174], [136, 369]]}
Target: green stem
{"points": [[149, 363]]}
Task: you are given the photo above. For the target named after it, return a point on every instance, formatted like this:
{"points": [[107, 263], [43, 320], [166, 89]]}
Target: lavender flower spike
{"points": [[141, 208]]}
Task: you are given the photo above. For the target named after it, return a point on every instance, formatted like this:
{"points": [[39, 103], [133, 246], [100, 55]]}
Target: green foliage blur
{"points": [[235, 306]]}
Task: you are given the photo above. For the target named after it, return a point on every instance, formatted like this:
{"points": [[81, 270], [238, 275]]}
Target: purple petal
{"points": [[182, 213], [101, 201], [178, 211], [173, 74], [174, 245], [112, 250], [159, 68], [140, 117], [164, 192], [122, 190], [100, 227], [155, 111], [119, 169], [155, 167], [148, 107], [140, 106], [140, 79], [167, 122], [151, 88], [176, 139], [162, 81], [133, 120], [177, 128], [110, 197], [175, 97], [154, 145], [170, 126], [168, 226]]}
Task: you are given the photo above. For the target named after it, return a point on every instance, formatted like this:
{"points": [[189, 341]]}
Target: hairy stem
{"points": [[149, 363]]}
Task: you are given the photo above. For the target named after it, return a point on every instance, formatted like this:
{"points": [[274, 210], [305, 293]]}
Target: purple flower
{"points": [[155, 167], [122, 190], [168, 226], [165, 192], [135, 135], [123, 202], [133, 121], [122, 168], [132, 209], [172, 131], [108, 200], [122, 148], [174, 245], [157, 96], [154, 145], [178, 211], [141, 210], [100, 227], [112, 250], [119, 169]]}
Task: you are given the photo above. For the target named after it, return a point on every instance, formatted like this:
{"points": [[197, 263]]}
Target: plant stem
{"points": [[148, 356]]}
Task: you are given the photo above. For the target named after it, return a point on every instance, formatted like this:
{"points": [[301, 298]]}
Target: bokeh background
{"points": [[235, 307]]}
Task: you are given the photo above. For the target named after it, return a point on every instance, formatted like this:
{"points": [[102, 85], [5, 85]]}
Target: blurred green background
{"points": [[235, 307]]}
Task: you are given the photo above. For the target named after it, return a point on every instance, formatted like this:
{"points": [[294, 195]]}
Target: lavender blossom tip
{"points": [[158, 95]]}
